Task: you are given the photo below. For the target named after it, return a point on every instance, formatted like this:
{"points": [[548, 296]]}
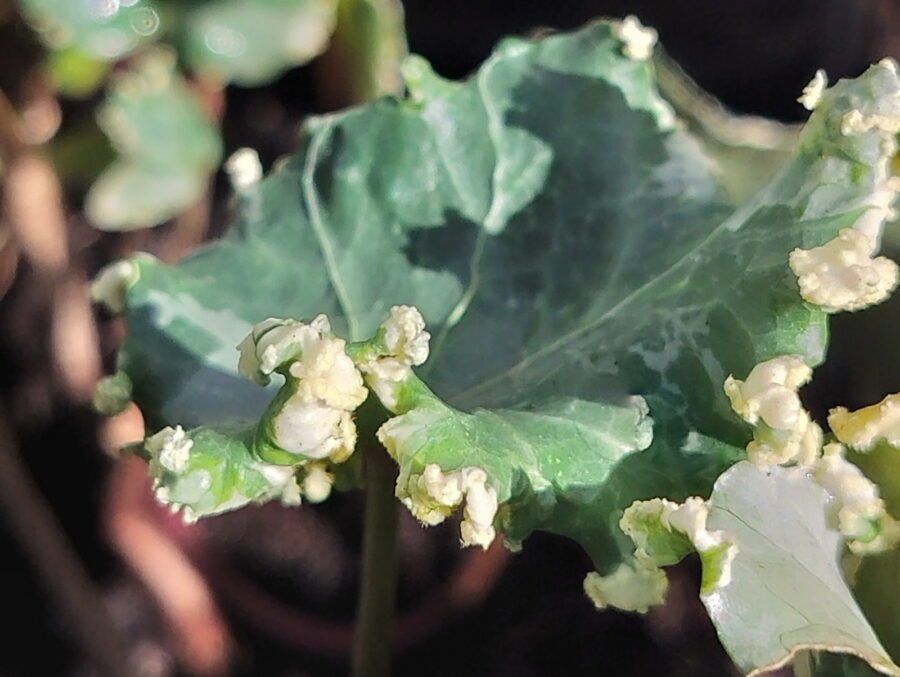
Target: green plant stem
{"points": [[367, 48], [378, 580]]}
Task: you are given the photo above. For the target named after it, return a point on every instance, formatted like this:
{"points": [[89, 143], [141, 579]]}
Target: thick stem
{"points": [[378, 581]]}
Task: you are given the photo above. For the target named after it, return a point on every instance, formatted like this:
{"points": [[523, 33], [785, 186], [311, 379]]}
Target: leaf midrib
{"points": [[739, 215], [321, 232]]}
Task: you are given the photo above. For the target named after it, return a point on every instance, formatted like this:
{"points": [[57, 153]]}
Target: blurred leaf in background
{"points": [[241, 41], [167, 146], [248, 42]]}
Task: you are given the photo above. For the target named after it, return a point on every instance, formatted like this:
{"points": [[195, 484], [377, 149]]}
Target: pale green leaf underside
{"points": [[129, 195], [787, 591], [562, 238]]}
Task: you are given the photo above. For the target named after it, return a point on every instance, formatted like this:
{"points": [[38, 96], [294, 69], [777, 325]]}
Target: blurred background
{"points": [[115, 119]]}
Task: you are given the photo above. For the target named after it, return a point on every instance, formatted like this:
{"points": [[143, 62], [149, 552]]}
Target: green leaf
{"points": [[166, 143], [569, 247], [249, 42], [787, 592], [99, 29]]}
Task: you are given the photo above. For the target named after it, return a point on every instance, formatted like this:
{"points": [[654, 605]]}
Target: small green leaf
{"points": [[249, 42], [167, 147], [99, 29], [128, 195]]}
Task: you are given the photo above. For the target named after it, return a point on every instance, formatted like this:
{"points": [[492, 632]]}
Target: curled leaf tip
{"points": [[859, 510], [110, 286], [205, 472], [317, 482], [888, 64], [311, 417], [663, 532], [170, 447], [844, 274], [274, 343], [863, 428], [400, 344], [813, 91], [631, 587], [433, 495], [783, 431], [638, 40]]}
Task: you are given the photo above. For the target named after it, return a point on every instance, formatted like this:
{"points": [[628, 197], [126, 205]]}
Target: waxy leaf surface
{"points": [[566, 242]]}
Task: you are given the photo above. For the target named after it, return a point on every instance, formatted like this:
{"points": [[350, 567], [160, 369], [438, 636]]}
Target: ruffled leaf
{"points": [[566, 243]]}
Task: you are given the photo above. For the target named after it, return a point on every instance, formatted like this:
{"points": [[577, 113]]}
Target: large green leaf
{"points": [[567, 244], [381, 206], [787, 592]]}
